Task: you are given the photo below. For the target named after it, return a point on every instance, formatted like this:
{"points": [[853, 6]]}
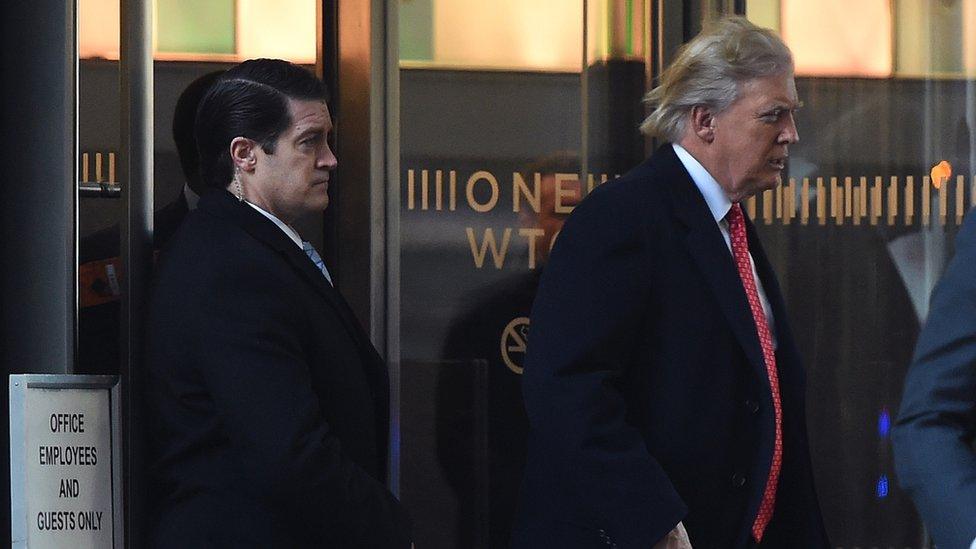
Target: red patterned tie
{"points": [[740, 252]]}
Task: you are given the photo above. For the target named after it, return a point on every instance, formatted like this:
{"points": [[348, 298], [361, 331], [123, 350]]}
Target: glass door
{"points": [[491, 121], [510, 113], [862, 228]]}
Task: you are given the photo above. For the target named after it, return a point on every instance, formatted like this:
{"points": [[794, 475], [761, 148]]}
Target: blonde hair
{"points": [[709, 70]]}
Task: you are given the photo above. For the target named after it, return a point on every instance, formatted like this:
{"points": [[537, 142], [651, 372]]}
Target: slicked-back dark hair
{"points": [[249, 100]]}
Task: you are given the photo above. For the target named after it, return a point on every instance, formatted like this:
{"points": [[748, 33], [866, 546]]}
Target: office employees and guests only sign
{"points": [[65, 468]]}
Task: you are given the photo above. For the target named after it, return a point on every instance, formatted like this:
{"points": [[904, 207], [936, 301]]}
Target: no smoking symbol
{"points": [[514, 339]]}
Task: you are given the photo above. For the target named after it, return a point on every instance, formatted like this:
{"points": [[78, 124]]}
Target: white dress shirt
{"points": [[719, 204], [292, 233]]}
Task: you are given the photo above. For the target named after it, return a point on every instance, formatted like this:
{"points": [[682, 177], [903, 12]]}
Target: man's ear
{"points": [[242, 154], [703, 123]]}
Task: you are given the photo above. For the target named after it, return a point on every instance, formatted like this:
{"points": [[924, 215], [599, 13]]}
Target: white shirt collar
{"points": [[191, 197], [718, 202], [292, 234]]}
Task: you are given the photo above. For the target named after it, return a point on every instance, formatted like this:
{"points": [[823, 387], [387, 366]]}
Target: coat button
{"points": [[738, 480], [752, 406]]}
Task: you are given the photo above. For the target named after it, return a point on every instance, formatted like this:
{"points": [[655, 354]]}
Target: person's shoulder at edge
{"points": [[207, 251]]}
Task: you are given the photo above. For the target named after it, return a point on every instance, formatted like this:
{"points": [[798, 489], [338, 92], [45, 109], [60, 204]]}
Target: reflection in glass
{"points": [[99, 210], [213, 31], [490, 162], [616, 79], [503, 34], [883, 174], [860, 34]]}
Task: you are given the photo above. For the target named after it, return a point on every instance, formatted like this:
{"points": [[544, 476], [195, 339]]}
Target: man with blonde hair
{"points": [[664, 390]]}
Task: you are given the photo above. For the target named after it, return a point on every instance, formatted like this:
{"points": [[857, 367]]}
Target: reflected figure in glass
{"points": [[99, 263], [494, 326]]}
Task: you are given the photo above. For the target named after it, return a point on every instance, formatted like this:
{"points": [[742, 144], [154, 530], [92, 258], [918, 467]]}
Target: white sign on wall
{"points": [[65, 469]]}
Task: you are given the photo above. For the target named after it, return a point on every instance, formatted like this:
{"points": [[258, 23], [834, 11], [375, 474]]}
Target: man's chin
{"points": [[770, 184], [320, 202], [314, 207]]}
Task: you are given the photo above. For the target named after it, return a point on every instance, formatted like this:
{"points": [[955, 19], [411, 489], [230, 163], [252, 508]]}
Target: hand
{"points": [[676, 539]]}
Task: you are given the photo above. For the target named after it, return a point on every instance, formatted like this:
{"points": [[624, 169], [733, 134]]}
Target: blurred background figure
{"points": [[933, 437], [494, 329], [98, 254]]}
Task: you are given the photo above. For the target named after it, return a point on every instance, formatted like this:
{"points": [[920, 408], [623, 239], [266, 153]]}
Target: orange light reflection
{"points": [[940, 172]]}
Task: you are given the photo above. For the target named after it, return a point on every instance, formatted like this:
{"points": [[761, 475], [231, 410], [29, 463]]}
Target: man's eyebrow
{"points": [[311, 131], [782, 105]]}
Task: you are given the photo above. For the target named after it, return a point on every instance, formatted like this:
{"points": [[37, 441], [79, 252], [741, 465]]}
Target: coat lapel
{"points": [[264, 230], [223, 204], [372, 362], [707, 247]]}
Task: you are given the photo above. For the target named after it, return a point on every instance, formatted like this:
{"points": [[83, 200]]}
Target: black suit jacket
{"points": [[269, 404], [645, 386]]}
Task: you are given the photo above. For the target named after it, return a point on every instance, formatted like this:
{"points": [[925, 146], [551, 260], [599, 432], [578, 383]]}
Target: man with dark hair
{"points": [[269, 403], [98, 253], [184, 118]]}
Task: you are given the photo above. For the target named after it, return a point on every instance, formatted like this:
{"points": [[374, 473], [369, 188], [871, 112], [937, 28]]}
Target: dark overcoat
{"points": [[645, 385], [268, 403]]}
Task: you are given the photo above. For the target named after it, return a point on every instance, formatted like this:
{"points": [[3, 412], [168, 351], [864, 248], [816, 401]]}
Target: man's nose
{"points": [[328, 159], [790, 135]]}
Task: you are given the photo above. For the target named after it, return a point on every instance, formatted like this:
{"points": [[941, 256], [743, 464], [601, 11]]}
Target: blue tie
{"points": [[316, 258]]}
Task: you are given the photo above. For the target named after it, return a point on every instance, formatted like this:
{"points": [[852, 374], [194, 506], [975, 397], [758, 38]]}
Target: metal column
{"points": [[136, 172], [38, 219], [362, 222]]}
